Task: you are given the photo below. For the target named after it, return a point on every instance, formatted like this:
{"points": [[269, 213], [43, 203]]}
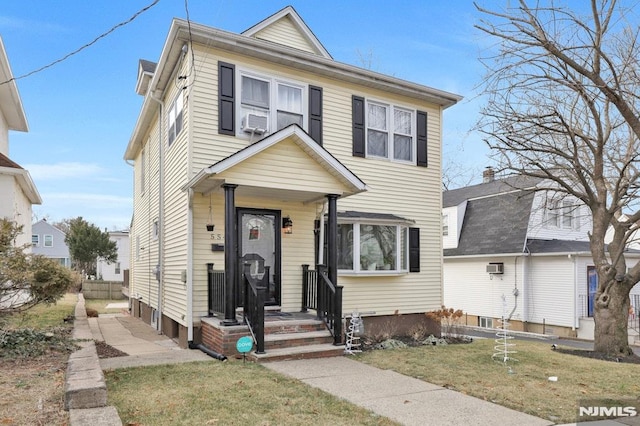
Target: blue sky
{"points": [[82, 111]]}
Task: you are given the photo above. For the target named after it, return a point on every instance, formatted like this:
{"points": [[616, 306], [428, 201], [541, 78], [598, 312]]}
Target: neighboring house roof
{"points": [[557, 246], [494, 225], [10, 102], [513, 183], [22, 176], [182, 33]]}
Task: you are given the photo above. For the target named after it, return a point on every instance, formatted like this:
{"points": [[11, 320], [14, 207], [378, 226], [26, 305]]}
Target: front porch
{"points": [[587, 326], [314, 331]]}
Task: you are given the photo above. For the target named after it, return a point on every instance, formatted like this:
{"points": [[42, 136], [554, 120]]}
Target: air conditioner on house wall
{"points": [[255, 123], [495, 268]]}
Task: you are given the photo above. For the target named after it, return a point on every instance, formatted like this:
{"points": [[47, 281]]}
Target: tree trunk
{"points": [[611, 314]]}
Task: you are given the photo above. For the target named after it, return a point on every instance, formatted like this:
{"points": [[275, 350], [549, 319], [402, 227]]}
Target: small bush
{"points": [[448, 319]]}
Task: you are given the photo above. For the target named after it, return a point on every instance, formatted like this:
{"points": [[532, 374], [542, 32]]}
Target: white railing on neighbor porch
{"points": [[634, 311]]}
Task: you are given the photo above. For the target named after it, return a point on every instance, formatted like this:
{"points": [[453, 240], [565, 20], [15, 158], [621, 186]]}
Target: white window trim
{"points": [[176, 108], [356, 271], [273, 100], [390, 131], [445, 225], [44, 240], [559, 209]]}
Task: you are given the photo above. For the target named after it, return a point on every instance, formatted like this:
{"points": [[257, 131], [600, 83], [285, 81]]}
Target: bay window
{"points": [[372, 248]]}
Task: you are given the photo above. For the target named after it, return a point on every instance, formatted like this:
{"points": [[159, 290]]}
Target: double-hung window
{"points": [[48, 240], [268, 104], [175, 117], [562, 215], [390, 132], [372, 248]]}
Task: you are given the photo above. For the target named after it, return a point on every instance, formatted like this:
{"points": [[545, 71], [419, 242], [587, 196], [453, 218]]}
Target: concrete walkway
{"points": [[404, 399]]}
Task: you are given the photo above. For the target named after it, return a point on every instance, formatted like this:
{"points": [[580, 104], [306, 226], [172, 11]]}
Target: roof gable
{"points": [[287, 28]]}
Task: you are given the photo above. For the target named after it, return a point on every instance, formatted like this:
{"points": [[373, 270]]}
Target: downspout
{"points": [[190, 265], [575, 292], [525, 280], [321, 236], [160, 211], [515, 291]]}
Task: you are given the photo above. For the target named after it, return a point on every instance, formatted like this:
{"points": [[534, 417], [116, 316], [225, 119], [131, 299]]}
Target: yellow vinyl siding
{"points": [[401, 189], [285, 32], [284, 166]]}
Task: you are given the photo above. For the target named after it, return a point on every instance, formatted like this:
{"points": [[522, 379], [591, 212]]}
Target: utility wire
{"points": [[94, 41]]}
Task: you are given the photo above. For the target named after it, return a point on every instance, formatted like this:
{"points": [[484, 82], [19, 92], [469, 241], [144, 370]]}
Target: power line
{"points": [[92, 42]]}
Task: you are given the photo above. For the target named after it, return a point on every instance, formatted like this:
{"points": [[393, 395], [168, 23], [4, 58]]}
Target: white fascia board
{"points": [[490, 255], [25, 182]]}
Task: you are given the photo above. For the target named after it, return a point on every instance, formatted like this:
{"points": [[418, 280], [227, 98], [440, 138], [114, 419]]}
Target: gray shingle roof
{"points": [[456, 196], [495, 224]]}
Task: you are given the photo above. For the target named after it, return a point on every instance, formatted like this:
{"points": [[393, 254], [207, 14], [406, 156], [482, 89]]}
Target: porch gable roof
{"points": [[209, 178]]}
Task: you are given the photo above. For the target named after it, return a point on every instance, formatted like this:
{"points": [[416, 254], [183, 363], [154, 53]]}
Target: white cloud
{"points": [[64, 170]]}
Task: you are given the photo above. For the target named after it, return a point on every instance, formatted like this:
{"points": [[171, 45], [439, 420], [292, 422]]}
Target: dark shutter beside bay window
{"points": [[226, 99], [315, 113], [421, 128], [357, 114], [414, 249]]}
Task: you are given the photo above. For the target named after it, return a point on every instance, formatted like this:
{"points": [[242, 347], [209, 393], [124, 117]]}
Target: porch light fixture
{"points": [[210, 225], [287, 225]]}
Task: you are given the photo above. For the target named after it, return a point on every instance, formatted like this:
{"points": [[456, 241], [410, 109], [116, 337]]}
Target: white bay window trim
{"points": [[365, 261]]}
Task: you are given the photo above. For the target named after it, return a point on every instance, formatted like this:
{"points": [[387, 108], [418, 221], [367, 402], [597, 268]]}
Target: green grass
{"points": [[229, 393], [42, 316], [470, 369]]}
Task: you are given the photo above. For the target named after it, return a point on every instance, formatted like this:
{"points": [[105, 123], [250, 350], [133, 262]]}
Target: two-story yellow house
{"points": [[256, 154]]}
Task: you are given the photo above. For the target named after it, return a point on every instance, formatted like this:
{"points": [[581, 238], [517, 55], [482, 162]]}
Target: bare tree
{"points": [[563, 100]]}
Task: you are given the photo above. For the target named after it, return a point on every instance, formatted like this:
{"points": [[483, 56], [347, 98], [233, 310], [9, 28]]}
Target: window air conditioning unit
{"points": [[495, 268], [254, 123]]}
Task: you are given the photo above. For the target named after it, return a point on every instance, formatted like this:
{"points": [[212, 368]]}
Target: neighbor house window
{"points": [[562, 215], [445, 225], [156, 230], [372, 248], [35, 240], [48, 240], [277, 104], [390, 132], [175, 117], [117, 271]]}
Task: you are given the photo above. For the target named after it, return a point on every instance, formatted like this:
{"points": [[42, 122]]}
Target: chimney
{"points": [[488, 175]]}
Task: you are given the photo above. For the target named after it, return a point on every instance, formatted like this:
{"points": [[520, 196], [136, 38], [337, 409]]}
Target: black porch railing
{"points": [[255, 293], [215, 286], [319, 293]]}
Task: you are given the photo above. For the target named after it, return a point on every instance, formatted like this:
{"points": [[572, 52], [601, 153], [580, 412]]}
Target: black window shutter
{"points": [[226, 102], [357, 114], [421, 128], [414, 249], [315, 113]]}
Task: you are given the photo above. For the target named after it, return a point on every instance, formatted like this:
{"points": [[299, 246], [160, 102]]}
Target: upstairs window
{"points": [[48, 240], [561, 215], [175, 117], [35, 240], [390, 132], [268, 105], [445, 225]]}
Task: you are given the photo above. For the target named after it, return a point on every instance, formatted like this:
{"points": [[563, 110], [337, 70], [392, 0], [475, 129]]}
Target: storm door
{"points": [[259, 245]]}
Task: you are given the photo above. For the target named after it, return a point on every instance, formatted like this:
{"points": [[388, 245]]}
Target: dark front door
{"points": [[259, 245]]}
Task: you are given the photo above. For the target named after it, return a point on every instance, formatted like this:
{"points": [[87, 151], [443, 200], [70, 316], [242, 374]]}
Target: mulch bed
{"points": [[106, 351]]}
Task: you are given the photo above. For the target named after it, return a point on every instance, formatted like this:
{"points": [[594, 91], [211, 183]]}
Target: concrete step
{"points": [[288, 340], [299, 352], [293, 326]]}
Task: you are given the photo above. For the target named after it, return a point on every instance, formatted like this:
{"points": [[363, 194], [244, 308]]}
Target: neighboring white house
{"points": [[115, 271], [512, 252], [17, 190], [49, 241]]}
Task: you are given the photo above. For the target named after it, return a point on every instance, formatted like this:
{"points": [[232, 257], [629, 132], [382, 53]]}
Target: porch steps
{"points": [[296, 339]]}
